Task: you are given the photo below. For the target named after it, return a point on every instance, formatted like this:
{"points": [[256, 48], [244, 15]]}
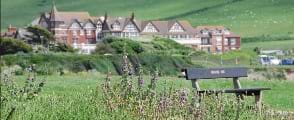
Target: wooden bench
{"points": [[195, 74]]}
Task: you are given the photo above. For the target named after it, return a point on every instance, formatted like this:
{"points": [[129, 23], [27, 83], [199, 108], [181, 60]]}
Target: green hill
{"points": [[245, 17]]}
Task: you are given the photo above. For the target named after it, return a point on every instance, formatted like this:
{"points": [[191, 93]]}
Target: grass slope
{"points": [[245, 17], [280, 97], [284, 45]]}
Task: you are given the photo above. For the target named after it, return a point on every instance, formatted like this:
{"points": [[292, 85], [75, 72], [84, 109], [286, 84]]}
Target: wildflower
{"points": [[183, 96], [154, 80]]}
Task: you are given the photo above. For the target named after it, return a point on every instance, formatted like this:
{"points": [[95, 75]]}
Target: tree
{"points": [[11, 46], [41, 35]]}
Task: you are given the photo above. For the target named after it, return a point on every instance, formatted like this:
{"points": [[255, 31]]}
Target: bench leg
{"points": [[258, 99]]}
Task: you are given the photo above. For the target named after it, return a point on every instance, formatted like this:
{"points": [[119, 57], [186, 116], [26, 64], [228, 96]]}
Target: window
{"points": [[90, 41], [218, 41], [81, 32], [75, 32], [99, 27], [89, 32], [176, 28], [75, 40], [131, 28], [233, 41], [116, 26], [205, 41], [226, 41], [204, 32]]}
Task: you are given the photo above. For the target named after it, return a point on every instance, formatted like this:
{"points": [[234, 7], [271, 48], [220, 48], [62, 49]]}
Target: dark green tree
{"points": [[11, 46], [41, 36]]}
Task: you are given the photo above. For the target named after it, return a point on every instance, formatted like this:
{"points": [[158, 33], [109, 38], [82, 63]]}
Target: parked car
{"points": [[287, 62], [269, 60]]}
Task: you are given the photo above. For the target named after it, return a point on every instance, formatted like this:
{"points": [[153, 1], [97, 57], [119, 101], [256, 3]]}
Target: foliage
{"points": [[170, 65], [11, 46], [40, 35], [104, 48], [119, 44], [143, 102], [61, 47], [12, 93], [267, 38]]}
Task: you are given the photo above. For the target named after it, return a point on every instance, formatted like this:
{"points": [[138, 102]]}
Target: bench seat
{"points": [[243, 91]]}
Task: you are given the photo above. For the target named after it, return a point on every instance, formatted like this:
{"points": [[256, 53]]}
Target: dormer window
{"points": [[150, 28], [176, 28], [99, 26], [116, 26], [75, 26], [204, 32]]}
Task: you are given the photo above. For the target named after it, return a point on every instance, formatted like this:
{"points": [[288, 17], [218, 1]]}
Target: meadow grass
{"points": [[271, 45], [280, 97], [80, 96], [245, 17]]}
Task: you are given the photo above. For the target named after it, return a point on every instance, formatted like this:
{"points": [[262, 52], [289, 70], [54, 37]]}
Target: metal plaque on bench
{"points": [[200, 73]]}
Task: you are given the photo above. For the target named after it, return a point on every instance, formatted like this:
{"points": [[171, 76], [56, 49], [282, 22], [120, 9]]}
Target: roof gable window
{"points": [[204, 32], [150, 28], [75, 26], [130, 28], [176, 28], [99, 26], [116, 26], [89, 26]]}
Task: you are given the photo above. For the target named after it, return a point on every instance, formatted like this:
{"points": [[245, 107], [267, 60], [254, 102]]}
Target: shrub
{"points": [[11, 46], [118, 45], [61, 47], [103, 48]]}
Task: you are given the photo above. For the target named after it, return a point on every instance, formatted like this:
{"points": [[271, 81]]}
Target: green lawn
{"points": [[284, 45], [74, 97], [245, 17], [280, 97]]}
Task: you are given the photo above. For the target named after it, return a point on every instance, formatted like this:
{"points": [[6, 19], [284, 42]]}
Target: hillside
{"points": [[245, 17]]}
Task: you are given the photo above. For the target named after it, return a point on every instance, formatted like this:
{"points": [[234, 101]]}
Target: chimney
{"points": [[133, 16], [11, 29], [105, 17]]}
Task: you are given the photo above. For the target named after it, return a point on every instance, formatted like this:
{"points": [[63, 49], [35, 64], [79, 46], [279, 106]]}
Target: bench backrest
{"points": [[211, 73]]}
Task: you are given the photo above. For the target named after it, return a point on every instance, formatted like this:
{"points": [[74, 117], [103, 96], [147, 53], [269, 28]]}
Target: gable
{"points": [[176, 28], [89, 25], [131, 27], [116, 26], [150, 28], [75, 25], [43, 22]]}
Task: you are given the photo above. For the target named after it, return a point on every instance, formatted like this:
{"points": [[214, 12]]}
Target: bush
{"points": [[103, 48], [52, 62], [118, 45], [61, 47], [11, 46], [265, 38]]}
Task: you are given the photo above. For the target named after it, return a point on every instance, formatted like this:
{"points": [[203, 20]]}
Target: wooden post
{"points": [[195, 84], [258, 99], [236, 82], [237, 85]]}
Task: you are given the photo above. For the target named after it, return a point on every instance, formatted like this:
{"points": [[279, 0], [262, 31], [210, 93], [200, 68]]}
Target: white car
{"points": [[269, 60]]}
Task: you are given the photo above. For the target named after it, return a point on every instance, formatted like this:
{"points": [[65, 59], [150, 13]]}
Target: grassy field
{"points": [[280, 97], [79, 96], [280, 45], [245, 17]]}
